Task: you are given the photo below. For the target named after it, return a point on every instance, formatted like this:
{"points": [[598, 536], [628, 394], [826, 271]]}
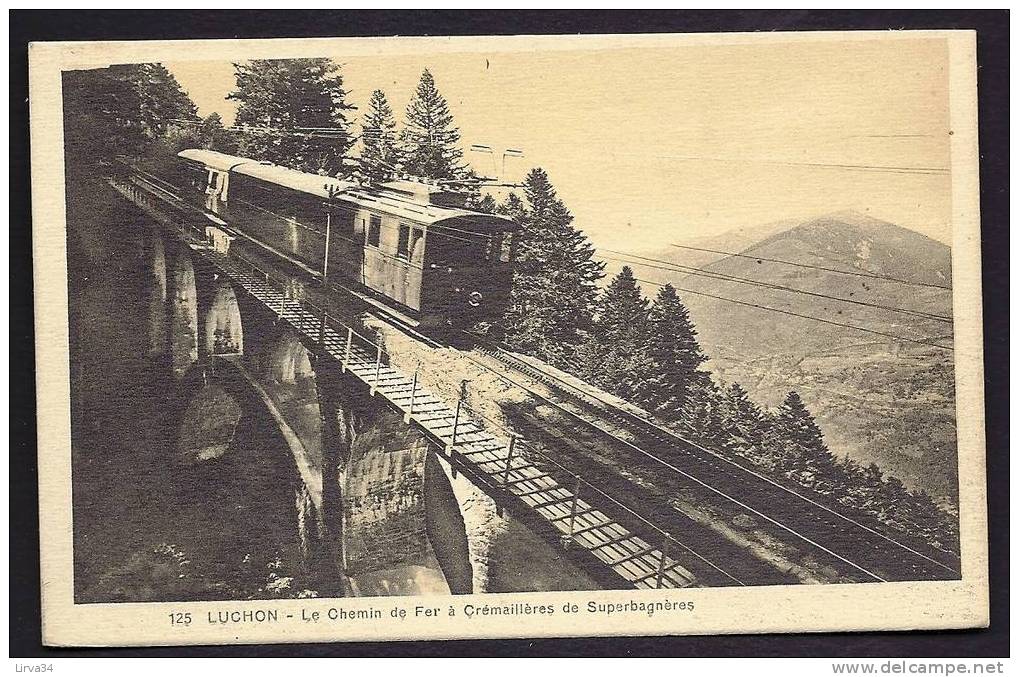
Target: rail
{"points": [[634, 423]]}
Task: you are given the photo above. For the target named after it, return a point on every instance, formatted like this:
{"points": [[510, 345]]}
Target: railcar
{"points": [[405, 244]]}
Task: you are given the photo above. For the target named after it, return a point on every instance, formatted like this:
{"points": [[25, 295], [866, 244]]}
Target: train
{"points": [[409, 247]]}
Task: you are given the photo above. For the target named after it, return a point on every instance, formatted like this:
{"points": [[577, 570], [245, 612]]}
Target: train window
{"points": [[403, 243], [506, 250], [494, 246], [415, 241], [374, 231]]}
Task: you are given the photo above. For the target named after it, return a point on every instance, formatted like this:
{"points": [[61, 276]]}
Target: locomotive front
{"points": [[468, 271]]}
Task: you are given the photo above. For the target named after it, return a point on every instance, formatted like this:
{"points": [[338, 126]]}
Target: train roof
{"points": [[213, 159], [312, 184], [427, 214], [387, 201]]}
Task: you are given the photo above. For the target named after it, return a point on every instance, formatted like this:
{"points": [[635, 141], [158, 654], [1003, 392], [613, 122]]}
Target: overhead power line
{"points": [[883, 169], [896, 337], [700, 272], [856, 273]]}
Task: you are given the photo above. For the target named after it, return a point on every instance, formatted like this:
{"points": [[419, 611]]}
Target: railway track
{"points": [[847, 541]]}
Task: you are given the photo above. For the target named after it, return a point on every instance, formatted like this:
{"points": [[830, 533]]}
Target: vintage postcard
{"points": [[416, 338]]}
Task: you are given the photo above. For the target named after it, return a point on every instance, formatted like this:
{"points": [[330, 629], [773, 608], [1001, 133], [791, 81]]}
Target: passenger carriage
{"points": [[405, 244]]}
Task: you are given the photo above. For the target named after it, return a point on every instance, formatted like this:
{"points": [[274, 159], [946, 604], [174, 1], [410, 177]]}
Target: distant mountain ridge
{"points": [[858, 240], [879, 390]]}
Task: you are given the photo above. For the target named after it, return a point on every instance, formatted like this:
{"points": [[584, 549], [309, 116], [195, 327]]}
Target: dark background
{"points": [[992, 56]]}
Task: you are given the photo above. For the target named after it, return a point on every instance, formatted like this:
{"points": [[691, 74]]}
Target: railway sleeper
{"points": [[460, 429], [475, 452], [540, 490], [593, 527], [613, 541], [551, 502], [573, 515], [423, 402], [386, 375], [636, 555], [661, 570], [502, 469], [492, 451], [445, 415], [474, 437], [526, 479]]}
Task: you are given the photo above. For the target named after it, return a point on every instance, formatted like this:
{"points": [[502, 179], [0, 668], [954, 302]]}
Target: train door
{"points": [[409, 248], [215, 191]]}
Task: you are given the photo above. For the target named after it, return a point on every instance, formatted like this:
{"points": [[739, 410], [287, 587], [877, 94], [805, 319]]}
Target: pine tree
{"points": [[702, 416], [554, 293], [429, 137], [276, 96], [804, 452], [616, 355], [513, 207], [163, 101], [624, 309], [673, 352], [746, 426], [379, 153], [483, 203], [101, 117], [215, 137]]}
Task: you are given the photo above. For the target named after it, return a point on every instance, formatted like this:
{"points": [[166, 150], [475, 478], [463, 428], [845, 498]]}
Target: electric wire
{"points": [[802, 316], [699, 272], [857, 273]]}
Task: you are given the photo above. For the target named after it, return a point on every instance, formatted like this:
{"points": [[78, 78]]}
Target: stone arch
{"points": [[230, 430], [223, 327], [289, 361], [290, 380], [233, 379], [398, 520], [183, 311]]}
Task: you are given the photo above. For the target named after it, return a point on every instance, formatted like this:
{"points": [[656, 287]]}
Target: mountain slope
{"points": [[877, 398]]}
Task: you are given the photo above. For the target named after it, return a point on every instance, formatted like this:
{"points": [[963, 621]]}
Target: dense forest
{"points": [[295, 112]]}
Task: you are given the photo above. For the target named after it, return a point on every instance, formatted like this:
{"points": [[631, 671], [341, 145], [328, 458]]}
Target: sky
{"points": [[655, 144]]}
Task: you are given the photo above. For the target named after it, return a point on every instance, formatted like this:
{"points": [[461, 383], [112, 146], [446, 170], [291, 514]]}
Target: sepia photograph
{"points": [[366, 331]]}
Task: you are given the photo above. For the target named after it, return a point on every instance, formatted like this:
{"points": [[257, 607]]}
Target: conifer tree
{"points": [[163, 102], [278, 95], [673, 352], [804, 450], [624, 310], [429, 137], [554, 291], [379, 154], [514, 208], [703, 414], [616, 355], [483, 203], [215, 137], [746, 426]]}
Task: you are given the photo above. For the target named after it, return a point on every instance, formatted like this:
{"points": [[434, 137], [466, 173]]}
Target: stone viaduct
{"points": [[378, 511]]}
